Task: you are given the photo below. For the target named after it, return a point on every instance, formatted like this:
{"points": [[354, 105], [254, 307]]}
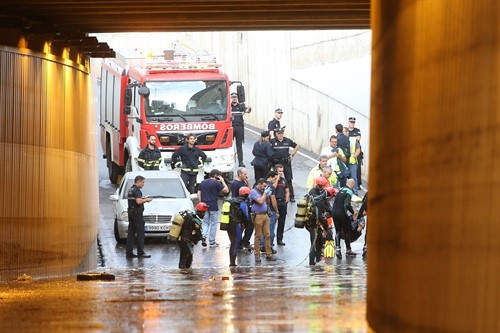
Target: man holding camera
{"points": [[258, 198]]}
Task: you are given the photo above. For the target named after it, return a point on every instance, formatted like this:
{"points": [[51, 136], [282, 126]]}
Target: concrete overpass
{"points": [[434, 169]]}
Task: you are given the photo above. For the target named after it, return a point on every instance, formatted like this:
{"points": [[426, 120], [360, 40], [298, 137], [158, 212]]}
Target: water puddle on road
{"points": [[244, 299]]}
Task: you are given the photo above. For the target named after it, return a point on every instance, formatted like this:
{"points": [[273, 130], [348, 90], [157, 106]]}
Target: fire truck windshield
{"points": [[188, 100]]}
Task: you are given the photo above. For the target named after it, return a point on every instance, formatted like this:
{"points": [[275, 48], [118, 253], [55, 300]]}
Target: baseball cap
{"points": [[234, 95], [352, 119], [280, 130], [278, 110], [264, 134]]}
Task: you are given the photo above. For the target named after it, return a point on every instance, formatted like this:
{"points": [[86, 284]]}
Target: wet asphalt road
{"points": [[153, 295]]}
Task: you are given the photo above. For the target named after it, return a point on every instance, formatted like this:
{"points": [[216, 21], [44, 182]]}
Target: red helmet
{"points": [[322, 181], [244, 190], [331, 191], [201, 207]]}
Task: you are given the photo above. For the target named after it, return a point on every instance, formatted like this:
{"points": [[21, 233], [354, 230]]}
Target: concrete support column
{"points": [[434, 236]]}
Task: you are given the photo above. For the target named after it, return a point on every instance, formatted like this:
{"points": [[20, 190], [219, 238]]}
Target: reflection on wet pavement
{"points": [[244, 299]]}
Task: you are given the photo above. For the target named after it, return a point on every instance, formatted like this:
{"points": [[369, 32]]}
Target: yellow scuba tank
{"points": [[176, 228], [303, 215], [328, 250], [224, 217]]}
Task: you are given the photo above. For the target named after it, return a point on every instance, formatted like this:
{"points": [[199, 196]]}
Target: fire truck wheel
{"points": [[114, 173]]}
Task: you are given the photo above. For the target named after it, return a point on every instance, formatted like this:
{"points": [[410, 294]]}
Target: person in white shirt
{"points": [[333, 154]]}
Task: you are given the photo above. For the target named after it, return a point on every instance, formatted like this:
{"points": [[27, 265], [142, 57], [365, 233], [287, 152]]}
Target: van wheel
{"points": [[117, 234]]}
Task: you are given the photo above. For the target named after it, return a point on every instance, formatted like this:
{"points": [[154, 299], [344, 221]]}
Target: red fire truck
{"points": [[169, 99]]}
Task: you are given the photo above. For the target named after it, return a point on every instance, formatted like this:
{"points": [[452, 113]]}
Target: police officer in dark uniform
{"points": [[136, 220], [237, 112], [281, 155], [282, 198], [275, 123], [189, 158], [150, 156]]}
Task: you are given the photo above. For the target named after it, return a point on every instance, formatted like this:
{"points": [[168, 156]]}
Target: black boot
{"points": [[232, 260], [338, 254]]}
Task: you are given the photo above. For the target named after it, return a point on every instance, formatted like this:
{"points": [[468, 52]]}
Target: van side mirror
{"points": [[240, 90], [143, 91]]}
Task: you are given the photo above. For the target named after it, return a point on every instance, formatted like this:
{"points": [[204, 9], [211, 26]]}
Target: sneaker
{"points": [[271, 258], [257, 259], [338, 254], [350, 254], [241, 165], [204, 242], [273, 251], [214, 244], [292, 200], [281, 243], [131, 255], [144, 255]]}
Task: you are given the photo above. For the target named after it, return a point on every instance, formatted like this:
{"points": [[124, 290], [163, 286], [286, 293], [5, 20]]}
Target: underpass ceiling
{"points": [[97, 16]]}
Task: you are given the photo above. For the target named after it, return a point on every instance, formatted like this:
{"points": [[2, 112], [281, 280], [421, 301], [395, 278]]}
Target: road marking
{"points": [[298, 152]]}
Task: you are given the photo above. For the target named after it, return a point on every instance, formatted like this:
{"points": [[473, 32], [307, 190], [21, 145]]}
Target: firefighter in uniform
{"points": [[317, 225], [189, 158], [190, 235], [135, 219], [281, 155], [237, 112], [275, 123], [150, 156], [238, 222]]}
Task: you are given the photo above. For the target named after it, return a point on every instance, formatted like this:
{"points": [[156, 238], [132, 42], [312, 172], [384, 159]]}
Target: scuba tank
{"points": [[329, 250], [304, 211], [224, 217], [177, 223]]}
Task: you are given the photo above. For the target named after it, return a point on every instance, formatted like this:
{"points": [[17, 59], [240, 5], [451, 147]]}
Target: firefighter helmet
{"points": [[322, 181], [331, 191], [244, 190], [201, 207]]}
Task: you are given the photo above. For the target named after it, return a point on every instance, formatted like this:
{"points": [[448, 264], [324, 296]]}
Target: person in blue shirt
{"points": [[208, 193], [258, 200], [239, 218]]}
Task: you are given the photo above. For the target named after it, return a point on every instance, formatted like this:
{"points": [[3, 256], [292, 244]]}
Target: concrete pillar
{"points": [[48, 167], [434, 235]]}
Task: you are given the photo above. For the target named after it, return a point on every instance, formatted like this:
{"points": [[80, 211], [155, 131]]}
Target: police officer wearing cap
{"points": [[275, 123], [237, 112], [281, 155]]}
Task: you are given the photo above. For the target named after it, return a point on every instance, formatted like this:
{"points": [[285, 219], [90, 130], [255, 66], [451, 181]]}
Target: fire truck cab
{"points": [[168, 99]]}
